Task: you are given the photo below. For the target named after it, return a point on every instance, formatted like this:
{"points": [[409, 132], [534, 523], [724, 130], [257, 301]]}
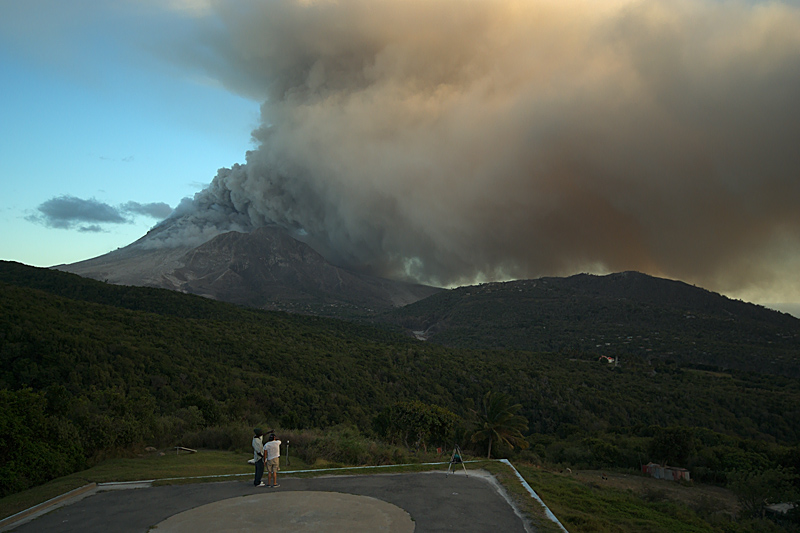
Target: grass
{"points": [[591, 507], [532, 509]]}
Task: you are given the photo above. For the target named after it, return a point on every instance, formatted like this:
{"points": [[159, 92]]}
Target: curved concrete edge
{"points": [[68, 498], [548, 513], [501, 490], [124, 485], [29, 514]]}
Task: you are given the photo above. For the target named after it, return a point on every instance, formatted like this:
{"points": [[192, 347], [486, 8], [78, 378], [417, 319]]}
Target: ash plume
{"points": [[452, 142]]}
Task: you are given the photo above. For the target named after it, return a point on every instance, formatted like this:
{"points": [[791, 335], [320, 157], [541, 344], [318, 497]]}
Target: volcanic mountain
{"points": [[265, 268]]}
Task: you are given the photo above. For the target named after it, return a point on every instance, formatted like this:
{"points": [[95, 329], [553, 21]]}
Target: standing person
{"points": [[272, 452], [258, 457]]}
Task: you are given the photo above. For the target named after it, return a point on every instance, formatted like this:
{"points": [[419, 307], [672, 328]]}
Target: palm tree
{"points": [[498, 421]]}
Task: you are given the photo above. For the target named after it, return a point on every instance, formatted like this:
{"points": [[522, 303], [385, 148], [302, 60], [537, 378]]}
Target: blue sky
{"points": [[93, 114]]}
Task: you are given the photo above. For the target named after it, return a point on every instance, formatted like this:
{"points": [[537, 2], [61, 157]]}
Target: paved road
{"points": [[434, 501]]}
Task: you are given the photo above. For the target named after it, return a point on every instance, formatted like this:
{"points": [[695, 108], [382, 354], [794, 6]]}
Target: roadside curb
{"points": [[44, 507], [548, 513]]}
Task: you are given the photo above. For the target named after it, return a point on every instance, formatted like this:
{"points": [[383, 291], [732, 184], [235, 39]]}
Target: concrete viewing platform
{"points": [[293, 511], [395, 503]]}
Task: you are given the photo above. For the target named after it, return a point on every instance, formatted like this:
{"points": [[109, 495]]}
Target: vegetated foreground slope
{"points": [[113, 366], [173, 344], [316, 371], [620, 315]]}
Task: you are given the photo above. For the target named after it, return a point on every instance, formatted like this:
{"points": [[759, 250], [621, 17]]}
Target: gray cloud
{"points": [[157, 210], [68, 212], [94, 228], [457, 141]]}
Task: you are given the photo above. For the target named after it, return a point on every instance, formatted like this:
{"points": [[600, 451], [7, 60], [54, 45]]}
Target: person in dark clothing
{"points": [[258, 457]]}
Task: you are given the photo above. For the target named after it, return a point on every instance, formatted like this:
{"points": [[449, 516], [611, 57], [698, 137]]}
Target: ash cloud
{"points": [[453, 142]]}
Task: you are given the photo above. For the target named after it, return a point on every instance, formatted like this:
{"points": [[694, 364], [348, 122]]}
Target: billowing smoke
{"points": [[454, 141]]}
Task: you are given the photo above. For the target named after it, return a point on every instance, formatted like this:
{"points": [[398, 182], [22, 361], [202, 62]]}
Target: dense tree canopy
{"points": [[417, 423]]}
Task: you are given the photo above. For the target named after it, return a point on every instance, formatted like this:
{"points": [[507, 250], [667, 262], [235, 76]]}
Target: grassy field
{"points": [[585, 502]]}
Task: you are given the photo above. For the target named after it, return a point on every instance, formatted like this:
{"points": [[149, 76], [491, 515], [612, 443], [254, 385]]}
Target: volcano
{"points": [[266, 268]]}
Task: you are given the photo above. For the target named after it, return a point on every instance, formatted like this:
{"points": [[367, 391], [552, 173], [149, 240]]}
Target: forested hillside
{"points": [[628, 315], [96, 367]]}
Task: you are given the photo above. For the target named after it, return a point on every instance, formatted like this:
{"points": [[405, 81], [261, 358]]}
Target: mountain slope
{"points": [[131, 357], [265, 268], [619, 315]]}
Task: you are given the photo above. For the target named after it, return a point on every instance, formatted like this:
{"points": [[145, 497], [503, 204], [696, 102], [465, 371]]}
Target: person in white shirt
{"points": [[258, 457], [272, 453]]}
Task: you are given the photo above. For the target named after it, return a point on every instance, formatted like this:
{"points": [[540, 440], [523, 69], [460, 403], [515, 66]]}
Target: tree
{"points": [[498, 422], [27, 455], [672, 445], [417, 421], [755, 490]]}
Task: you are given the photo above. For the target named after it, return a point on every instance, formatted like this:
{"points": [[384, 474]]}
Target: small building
{"points": [[781, 508], [672, 473], [782, 513]]}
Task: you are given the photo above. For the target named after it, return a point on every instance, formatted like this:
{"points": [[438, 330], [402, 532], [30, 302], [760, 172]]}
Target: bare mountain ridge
{"points": [[265, 268]]}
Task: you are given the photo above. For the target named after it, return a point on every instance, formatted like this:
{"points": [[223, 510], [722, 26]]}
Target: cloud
{"points": [[157, 210], [127, 159], [455, 141], [94, 228], [68, 212]]}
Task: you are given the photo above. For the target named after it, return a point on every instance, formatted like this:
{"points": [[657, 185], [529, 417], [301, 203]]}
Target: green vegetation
{"points": [[590, 507], [92, 371], [754, 488], [631, 504], [628, 315], [416, 422], [497, 422]]}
